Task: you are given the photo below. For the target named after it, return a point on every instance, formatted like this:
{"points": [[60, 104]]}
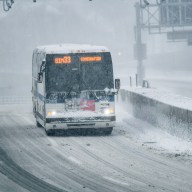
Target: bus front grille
{"points": [[81, 125]]}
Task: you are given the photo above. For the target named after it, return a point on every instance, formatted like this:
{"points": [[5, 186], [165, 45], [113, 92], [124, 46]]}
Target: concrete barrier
{"points": [[175, 120]]}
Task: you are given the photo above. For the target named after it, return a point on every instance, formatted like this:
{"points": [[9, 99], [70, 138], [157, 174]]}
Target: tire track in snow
{"points": [[26, 180], [116, 145], [87, 179], [135, 175]]}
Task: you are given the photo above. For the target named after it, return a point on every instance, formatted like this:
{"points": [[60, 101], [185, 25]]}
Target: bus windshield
{"points": [[78, 72]]}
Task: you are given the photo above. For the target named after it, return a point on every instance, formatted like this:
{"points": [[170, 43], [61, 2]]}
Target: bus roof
{"points": [[71, 48]]}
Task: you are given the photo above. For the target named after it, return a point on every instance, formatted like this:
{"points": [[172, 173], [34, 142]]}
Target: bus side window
{"points": [[34, 64], [38, 62], [91, 96]]}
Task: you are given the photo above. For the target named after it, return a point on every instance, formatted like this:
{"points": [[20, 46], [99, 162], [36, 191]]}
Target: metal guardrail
{"points": [[15, 100]]}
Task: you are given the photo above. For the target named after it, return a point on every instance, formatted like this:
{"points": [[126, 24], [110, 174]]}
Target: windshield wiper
{"points": [[89, 90]]}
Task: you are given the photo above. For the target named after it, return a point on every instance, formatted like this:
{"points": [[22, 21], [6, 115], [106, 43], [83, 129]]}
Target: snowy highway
{"points": [[57, 57], [32, 161]]}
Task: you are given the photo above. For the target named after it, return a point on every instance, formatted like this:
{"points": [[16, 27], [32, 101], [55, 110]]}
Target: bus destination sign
{"points": [[62, 60], [68, 59], [90, 59]]}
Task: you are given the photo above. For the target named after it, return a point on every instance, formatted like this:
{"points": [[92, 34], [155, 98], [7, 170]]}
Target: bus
{"points": [[73, 89]]}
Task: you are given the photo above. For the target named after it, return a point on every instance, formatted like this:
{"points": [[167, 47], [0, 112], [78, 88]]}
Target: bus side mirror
{"points": [[40, 77], [117, 84], [40, 74]]}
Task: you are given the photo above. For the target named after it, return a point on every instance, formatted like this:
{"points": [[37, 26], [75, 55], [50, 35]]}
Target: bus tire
{"points": [[38, 124], [34, 112], [49, 132], [108, 131]]}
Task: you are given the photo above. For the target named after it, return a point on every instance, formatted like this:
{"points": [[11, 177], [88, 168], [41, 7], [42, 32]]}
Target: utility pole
{"points": [[139, 47], [172, 18]]}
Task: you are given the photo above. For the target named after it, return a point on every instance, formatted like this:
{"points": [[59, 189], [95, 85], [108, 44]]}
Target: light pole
{"points": [[139, 47]]}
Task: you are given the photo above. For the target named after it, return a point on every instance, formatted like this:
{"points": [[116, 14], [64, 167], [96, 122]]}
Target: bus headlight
{"points": [[109, 111], [51, 113]]}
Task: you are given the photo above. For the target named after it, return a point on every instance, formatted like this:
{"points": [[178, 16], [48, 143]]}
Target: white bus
{"points": [[73, 89]]}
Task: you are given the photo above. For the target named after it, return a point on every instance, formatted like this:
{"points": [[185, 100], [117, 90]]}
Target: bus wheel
{"points": [[50, 132], [108, 131], [34, 112], [38, 124]]}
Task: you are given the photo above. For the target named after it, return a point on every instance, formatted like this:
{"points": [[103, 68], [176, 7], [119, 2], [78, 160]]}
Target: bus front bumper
{"points": [[76, 123]]}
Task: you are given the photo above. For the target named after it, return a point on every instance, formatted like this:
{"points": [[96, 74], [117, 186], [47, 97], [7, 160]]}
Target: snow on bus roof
{"points": [[72, 48]]}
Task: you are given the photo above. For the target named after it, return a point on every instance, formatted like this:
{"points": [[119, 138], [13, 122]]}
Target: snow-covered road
{"points": [[123, 161]]}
